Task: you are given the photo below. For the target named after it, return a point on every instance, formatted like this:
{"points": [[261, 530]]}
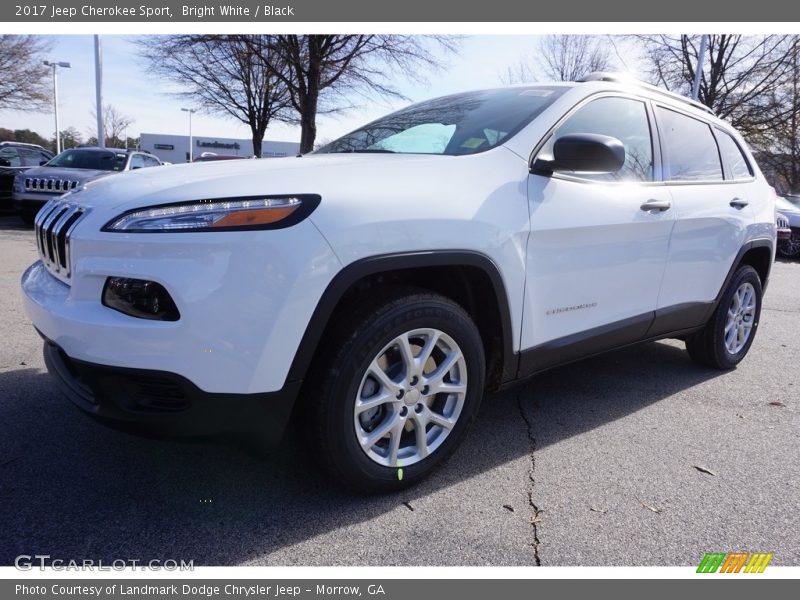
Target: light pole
{"points": [[54, 66], [698, 72], [191, 111]]}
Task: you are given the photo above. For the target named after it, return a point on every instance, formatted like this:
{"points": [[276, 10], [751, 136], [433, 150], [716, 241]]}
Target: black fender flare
{"points": [[374, 265]]}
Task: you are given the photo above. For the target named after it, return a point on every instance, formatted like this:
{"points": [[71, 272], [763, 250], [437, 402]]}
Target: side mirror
{"points": [[583, 153]]}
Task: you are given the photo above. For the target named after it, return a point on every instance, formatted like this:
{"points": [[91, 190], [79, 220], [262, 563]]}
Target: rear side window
{"points": [[690, 150], [733, 157], [9, 157], [30, 158], [621, 118]]}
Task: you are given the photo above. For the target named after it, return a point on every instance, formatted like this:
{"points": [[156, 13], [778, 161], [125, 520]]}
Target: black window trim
{"points": [[717, 131], [655, 143]]}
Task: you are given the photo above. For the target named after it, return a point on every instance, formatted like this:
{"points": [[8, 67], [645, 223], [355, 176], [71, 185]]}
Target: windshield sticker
{"points": [[539, 93], [472, 143]]}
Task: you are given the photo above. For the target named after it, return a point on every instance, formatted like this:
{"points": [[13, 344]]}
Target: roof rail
{"points": [[628, 79]]}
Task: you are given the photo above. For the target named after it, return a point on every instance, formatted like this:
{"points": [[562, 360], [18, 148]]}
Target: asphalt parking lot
{"points": [[638, 457]]}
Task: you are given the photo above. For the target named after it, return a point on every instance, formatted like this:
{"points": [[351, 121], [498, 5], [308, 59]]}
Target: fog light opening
{"points": [[139, 298]]}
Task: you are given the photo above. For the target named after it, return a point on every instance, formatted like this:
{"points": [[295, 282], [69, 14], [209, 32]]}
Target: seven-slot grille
{"points": [[35, 184], [53, 227]]}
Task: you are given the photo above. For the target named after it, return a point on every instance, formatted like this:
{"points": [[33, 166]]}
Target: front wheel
{"points": [[398, 394], [727, 337]]}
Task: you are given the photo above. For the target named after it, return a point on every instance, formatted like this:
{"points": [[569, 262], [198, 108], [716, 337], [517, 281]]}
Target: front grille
{"points": [[53, 228], [45, 184]]}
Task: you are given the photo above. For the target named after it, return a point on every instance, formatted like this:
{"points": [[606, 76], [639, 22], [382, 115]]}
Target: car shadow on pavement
{"points": [[11, 222], [74, 489]]}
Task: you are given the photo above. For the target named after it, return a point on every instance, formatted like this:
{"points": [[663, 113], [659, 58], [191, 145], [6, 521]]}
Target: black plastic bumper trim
{"points": [[166, 404]]}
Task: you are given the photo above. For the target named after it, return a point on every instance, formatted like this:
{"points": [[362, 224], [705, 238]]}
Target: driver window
{"points": [[622, 118]]}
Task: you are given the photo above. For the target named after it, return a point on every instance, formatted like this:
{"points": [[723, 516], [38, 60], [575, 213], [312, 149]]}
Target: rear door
{"points": [[596, 253], [711, 206]]}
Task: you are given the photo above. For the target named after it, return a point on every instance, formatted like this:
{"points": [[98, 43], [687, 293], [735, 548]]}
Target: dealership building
{"points": [[175, 148]]}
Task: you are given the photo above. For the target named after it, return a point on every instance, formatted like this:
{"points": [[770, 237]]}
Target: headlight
{"points": [[224, 214]]}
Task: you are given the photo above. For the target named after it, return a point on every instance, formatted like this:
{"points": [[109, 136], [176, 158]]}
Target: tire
{"points": [[790, 248], [364, 387], [728, 335]]}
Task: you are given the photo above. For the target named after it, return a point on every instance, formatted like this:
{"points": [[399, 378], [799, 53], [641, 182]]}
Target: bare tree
{"points": [[561, 58], [739, 76], [115, 125], [24, 82], [70, 138], [232, 75], [323, 72], [777, 143]]}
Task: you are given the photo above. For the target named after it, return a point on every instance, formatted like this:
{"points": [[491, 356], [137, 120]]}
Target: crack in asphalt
{"points": [[535, 517]]}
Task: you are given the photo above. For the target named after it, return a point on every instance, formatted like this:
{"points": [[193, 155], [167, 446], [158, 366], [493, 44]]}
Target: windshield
{"points": [[99, 160], [785, 205], [453, 125]]}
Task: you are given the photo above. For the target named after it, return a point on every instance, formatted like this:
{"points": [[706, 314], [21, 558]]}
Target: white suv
{"points": [[391, 278]]}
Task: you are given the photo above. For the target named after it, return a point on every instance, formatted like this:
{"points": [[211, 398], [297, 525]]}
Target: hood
{"points": [[81, 175], [310, 174]]}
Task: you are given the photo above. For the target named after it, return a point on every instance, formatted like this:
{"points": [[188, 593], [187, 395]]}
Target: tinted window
{"points": [[690, 152], [137, 161], [151, 161], [103, 160], [30, 158], [9, 157], [459, 124], [733, 157]]}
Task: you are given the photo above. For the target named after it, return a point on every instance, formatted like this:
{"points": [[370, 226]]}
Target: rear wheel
{"points": [[790, 248], [397, 395], [727, 337]]}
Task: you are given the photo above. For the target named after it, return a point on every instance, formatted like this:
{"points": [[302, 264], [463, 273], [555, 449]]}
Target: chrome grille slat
{"points": [[53, 227], [54, 185]]}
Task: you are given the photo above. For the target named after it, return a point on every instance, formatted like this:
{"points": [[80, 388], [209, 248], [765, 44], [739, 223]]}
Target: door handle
{"points": [[656, 205], [739, 203]]}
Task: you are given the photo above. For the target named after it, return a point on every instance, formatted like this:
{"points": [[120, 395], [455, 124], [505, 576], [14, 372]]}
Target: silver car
{"points": [[789, 207]]}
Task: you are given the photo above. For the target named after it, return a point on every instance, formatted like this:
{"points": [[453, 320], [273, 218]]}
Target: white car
{"points": [[391, 278]]}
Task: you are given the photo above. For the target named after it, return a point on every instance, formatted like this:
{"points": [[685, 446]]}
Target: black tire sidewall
{"points": [[355, 466]]}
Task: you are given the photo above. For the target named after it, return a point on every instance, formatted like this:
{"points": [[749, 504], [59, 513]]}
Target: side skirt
{"points": [[671, 322]]}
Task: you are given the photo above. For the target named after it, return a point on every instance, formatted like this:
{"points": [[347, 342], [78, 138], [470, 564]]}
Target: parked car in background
{"points": [[16, 158], [70, 170], [782, 224], [789, 244]]}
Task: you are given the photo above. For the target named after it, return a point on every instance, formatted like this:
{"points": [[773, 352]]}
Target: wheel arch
{"points": [[758, 254], [461, 275]]}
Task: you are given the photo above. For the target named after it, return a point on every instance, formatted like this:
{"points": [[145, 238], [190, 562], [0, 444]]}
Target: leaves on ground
{"points": [[508, 507], [704, 470], [408, 506], [598, 510], [776, 403], [650, 507]]}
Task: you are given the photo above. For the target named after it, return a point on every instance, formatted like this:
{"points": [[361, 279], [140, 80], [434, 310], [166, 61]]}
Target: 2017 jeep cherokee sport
{"points": [[390, 278]]}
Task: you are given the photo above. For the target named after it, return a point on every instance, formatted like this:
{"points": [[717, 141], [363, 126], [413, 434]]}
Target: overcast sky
{"points": [[480, 63]]}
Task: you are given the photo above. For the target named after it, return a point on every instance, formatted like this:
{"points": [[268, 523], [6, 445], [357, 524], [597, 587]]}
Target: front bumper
{"points": [[31, 203], [166, 404]]}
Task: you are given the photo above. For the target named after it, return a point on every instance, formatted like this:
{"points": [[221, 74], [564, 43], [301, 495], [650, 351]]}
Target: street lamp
{"points": [[54, 66], [191, 111]]}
